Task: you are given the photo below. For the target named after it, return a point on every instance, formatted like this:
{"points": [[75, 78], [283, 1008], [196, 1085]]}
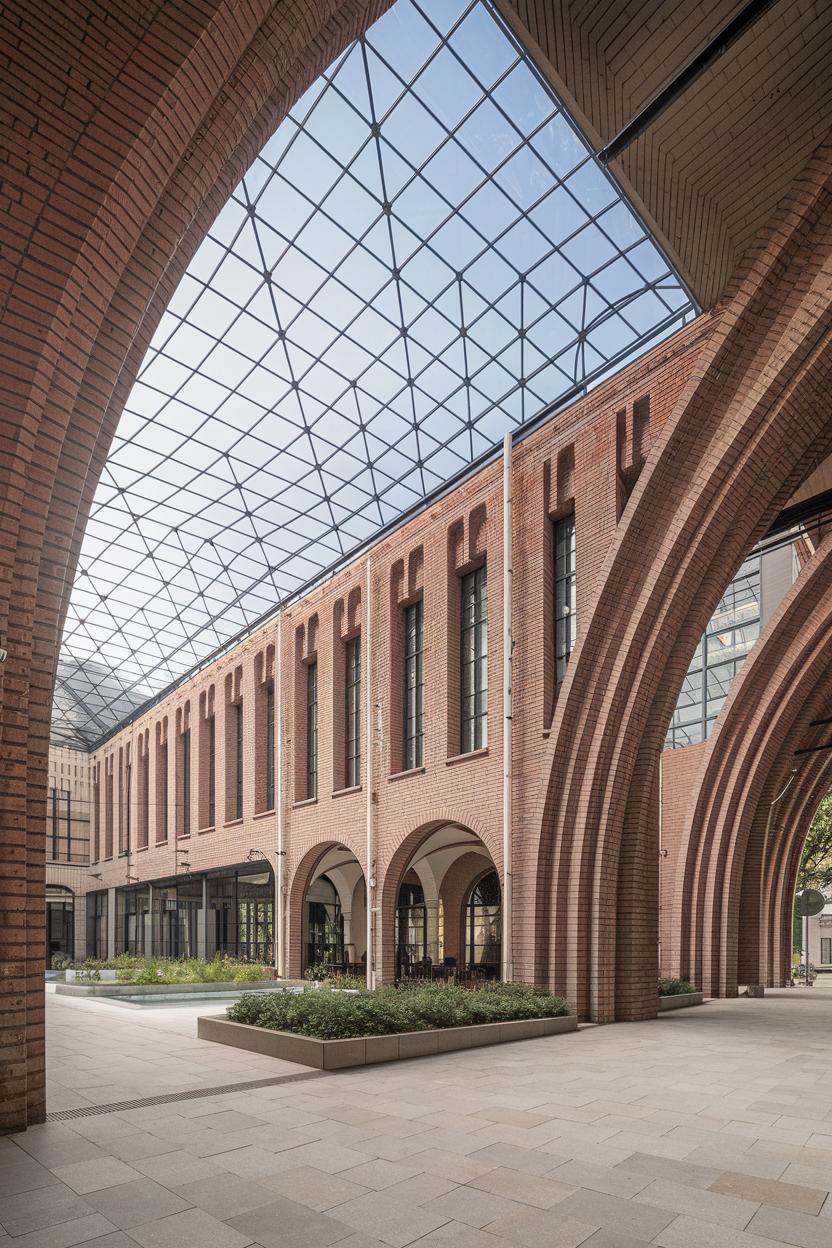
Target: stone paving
{"points": [[711, 1126]]}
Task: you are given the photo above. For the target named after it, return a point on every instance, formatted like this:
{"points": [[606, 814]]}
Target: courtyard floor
{"points": [[709, 1127]]}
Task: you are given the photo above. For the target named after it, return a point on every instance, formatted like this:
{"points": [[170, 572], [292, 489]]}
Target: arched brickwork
{"points": [[298, 886], [752, 422], [391, 874], [731, 911], [128, 128]]}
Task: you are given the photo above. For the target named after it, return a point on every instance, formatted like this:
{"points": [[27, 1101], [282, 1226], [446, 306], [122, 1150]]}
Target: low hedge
{"points": [[329, 1015], [675, 987], [135, 970]]}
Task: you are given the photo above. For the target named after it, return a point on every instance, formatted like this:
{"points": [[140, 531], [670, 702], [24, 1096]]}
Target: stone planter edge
{"points": [[680, 1001], [370, 1050], [105, 988]]}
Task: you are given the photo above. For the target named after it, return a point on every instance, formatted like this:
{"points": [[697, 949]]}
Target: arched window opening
{"points": [[483, 927], [60, 922], [325, 925], [411, 932]]}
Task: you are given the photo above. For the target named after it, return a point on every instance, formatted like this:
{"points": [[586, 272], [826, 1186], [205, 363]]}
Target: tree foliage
{"points": [[816, 863]]}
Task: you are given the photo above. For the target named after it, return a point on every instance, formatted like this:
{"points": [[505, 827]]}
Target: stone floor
{"points": [[707, 1127]]}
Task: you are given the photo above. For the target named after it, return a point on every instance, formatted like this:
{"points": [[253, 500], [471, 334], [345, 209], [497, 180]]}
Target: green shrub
{"points": [[675, 987], [331, 1015], [187, 970]]}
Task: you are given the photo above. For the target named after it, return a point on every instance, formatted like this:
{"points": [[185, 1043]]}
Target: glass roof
{"points": [[424, 255]]}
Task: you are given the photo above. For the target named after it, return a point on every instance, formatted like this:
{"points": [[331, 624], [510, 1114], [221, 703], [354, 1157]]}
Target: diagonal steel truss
{"points": [[424, 255]]}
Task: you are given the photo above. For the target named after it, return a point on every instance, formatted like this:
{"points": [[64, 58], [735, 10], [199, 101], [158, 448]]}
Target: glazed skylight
{"points": [[424, 255]]}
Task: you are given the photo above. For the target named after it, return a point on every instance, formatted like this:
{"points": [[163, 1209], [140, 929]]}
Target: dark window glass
{"points": [[414, 686], [312, 730], [186, 782], [128, 801], [484, 927], [97, 925], [69, 826], [565, 604], [212, 770], [411, 933], [238, 792], [353, 706], [162, 810], [325, 925], [474, 661], [270, 745]]}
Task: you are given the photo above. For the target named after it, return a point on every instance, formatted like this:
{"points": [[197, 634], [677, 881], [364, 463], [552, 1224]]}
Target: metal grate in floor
{"points": [[169, 1098]]}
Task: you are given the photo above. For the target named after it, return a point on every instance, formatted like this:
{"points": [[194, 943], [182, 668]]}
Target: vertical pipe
{"points": [[368, 780], [508, 646], [279, 875], [661, 855]]}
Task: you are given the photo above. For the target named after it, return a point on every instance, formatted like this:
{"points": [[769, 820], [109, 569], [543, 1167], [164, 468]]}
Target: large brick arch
{"points": [[731, 912], [753, 420], [129, 126]]}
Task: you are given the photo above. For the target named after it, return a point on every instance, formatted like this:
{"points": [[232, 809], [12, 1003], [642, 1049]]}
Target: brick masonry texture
{"points": [[127, 127]]}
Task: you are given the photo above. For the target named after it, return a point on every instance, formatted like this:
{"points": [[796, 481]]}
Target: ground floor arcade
{"points": [[440, 915]]}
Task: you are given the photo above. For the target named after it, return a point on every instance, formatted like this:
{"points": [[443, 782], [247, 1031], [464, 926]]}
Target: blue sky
{"points": [[424, 255]]}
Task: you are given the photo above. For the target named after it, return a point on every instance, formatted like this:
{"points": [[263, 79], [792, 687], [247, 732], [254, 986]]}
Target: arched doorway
{"points": [[442, 909], [329, 913], [60, 922]]}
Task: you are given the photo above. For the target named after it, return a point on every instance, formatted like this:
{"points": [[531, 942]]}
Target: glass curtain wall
{"points": [[241, 915], [722, 650], [131, 907]]}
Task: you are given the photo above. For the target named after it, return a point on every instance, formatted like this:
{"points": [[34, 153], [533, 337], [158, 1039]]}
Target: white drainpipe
{"points": [[280, 917], [366, 676], [508, 646]]}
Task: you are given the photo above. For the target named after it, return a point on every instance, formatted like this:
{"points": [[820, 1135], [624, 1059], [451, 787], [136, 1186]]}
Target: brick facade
{"points": [[128, 126]]}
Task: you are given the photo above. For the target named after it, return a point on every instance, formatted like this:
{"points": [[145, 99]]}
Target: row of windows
{"points": [[473, 707]]}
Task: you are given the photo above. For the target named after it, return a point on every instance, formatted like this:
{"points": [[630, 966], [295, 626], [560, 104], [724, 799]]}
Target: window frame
{"points": [[352, 708], [414, 686], [473, 660]]}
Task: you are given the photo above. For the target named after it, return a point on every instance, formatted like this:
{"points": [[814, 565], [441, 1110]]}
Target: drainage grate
{"points": [[169, 1098]]}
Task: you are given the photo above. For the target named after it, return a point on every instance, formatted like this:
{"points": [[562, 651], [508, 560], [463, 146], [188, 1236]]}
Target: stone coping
{"points": [[367, 1050], [680, 1001], [107, 989]]}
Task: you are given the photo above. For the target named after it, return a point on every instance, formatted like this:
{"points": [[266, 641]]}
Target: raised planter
{"points": [[367, 1050], [128, 991], [82, 977], [680, 1001]]}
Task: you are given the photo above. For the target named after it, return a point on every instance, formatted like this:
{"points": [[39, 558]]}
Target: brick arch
{"points": [[160, 115], [735, 854], [751, 423], [393, 873], [298, 887]]}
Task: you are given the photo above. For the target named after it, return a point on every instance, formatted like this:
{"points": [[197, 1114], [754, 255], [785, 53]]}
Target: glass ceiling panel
{"points": [[424, 255]]}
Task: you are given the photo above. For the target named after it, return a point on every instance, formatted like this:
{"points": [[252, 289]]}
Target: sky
{"points": [[424, 255]]}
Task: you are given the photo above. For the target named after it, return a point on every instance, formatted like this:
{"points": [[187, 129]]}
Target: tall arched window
{"points": [[411, 929], [483, 926], [325, 924]]}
